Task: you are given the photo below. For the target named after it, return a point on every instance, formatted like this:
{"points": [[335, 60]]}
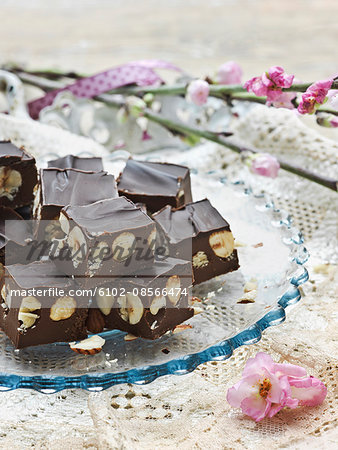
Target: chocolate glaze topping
{"points": [[63, 187], [38, 274], [12, 154], [189, 220], [108, 216], [10, 232], [75, 162], [151, 178]]}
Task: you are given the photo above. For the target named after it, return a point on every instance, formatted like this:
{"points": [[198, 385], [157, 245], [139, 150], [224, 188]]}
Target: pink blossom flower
{"points": [[314, 96], [229, 73], [198, 92], [264, 164], [256, 86], [270, 83], [267, 387], [260, 393], [276, 77]]}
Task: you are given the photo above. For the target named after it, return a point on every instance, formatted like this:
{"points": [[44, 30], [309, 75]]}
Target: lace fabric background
{"points": [[191, 411]]}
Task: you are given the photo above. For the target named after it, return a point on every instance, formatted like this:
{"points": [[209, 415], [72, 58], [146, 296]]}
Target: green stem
{"points": [[229, 143], [186, 130]]}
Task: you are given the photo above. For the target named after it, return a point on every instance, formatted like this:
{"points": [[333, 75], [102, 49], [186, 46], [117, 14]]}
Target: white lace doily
{"points": [[191, 412]]}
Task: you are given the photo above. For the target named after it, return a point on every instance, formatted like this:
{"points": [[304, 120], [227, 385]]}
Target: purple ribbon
{"points": [[140, 73]]}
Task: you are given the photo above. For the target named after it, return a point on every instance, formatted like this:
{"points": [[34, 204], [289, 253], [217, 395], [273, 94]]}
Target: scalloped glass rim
{"points": [[96, 382]]}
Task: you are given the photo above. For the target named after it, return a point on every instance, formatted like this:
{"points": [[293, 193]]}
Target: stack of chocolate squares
{"points": [[100, 254]]}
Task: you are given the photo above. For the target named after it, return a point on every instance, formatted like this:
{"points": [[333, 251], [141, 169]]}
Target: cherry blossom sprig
{"points": [[189, 132], [267, 387], [225, 84], [270, 84]]}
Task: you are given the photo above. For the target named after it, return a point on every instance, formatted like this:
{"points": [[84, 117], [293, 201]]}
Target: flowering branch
{"points": [[236, 91], [180, 127]]}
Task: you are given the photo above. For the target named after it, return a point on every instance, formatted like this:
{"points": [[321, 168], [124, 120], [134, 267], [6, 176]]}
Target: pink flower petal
{"points": [[289, 370], [274, 94], [285, 100], [279, 78], [286, 399], [246, 387], [308, 391], [276, 392], [255, 407], [314, 96], [256, 86], [266, 80], [274, 409], [254, 365]]}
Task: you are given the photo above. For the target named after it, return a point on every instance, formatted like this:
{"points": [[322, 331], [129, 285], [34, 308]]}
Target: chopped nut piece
{"points": [[131, 308], [154, 325], [105, 303], [197, 310], [63, 308], [200, 260], [135, 308], [27, 319], [123, 246], [260, 244], [248, 297], [3, 293], [222, 243], [64, 223], [130, 337], [180, 193], [174, 289], [89, 346], [78, 245], [195, 300], [30, 304], [250, 286], [181, 328], [157, 303], [95, 321], [10, 182]]}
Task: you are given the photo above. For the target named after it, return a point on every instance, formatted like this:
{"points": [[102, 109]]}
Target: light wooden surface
{"points": [[198, 35]]}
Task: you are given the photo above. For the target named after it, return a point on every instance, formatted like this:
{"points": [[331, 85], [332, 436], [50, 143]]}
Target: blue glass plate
{"points": [[271, 253]]}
